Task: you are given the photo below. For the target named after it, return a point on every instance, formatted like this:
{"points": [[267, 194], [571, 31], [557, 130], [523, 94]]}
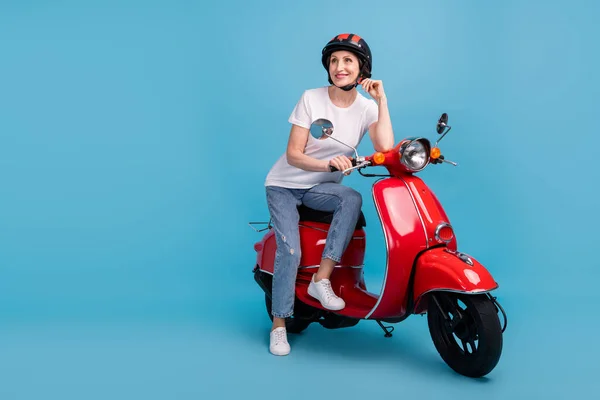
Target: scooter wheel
{"points": [[466, 331], [292, 324]]}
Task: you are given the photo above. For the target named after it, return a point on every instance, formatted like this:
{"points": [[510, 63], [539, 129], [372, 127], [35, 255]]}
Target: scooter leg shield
{"points": [[442, 269]]}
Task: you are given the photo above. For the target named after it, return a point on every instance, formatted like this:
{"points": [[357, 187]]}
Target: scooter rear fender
{"points": [[442, 269]]}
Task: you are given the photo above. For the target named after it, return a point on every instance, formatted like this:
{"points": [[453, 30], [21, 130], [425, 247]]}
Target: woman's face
{"points": [[343, 68]]}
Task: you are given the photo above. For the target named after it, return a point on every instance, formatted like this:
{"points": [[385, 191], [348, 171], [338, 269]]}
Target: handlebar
{"points": [[334, 169], [370, 161]]}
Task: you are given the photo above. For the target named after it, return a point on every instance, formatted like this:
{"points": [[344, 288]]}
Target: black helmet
{"points": [[354, 44]]}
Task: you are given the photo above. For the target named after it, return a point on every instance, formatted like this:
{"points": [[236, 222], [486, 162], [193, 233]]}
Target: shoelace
{"points": [[328, 290], [280, 337]]}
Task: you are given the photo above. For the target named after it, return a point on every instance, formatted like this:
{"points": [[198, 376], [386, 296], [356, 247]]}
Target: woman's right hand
{"points": [[341, 163]]}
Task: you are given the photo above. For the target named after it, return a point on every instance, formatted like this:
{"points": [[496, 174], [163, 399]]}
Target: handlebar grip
{"points": [[333, 169]]}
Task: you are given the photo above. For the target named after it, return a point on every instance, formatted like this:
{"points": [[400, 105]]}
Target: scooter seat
{"points": [[309, 214]]}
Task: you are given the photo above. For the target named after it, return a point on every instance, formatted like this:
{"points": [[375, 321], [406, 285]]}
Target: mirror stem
{"points": [[355, 152], [440, 139]]}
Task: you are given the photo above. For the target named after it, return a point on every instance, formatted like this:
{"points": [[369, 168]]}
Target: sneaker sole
{"points": [[279, 353]]}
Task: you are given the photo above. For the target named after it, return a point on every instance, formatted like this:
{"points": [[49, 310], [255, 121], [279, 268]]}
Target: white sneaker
{"points": [[323, 292], [279, 344]]}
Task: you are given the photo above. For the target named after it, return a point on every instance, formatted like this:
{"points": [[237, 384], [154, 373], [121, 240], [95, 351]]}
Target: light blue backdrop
{"points": [[134, 142]]}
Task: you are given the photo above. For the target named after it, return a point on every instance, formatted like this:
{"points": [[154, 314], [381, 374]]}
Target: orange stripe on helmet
{"points": [[356, 38], [342, 36]]}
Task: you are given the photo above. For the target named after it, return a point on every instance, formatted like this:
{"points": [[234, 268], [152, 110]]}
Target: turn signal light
{"points": [[435, 153], [378, 158]]}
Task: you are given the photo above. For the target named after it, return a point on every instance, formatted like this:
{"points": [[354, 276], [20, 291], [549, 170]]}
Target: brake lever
{"points": [[441, 159], [358, 166]]}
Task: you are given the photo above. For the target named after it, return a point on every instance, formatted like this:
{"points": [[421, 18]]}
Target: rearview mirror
{"points": [[442, 127], [321, 129], [442, 123]]}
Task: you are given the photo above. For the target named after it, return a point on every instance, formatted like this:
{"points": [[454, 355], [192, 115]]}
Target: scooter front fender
{"points": [[442, 269]]}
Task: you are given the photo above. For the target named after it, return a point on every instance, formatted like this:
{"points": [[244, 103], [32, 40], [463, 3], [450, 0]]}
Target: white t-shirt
{"points": [[349, 126]]}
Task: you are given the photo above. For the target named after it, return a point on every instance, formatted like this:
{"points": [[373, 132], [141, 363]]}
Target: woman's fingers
{"points": [[341, 163]]}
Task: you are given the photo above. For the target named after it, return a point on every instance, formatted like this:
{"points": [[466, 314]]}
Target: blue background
{"points": [[134, 142]]}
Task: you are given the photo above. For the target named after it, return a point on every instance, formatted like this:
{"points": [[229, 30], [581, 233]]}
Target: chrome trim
{"points": [[476, 291], [260, 223], [327, 231], [312, 227], [465, 258], [337, 266], [266, 272], [439, 228], [462, 256], [314, 266]]}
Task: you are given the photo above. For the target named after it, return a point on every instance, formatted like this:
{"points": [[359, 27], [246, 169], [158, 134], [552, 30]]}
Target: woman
{"points": [[302, 175]]}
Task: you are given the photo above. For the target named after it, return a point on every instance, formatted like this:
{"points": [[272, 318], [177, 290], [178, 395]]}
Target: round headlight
{"points": [[415, 156]]}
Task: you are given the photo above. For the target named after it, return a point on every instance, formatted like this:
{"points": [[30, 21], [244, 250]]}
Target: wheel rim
{"points": [[460, 331]]}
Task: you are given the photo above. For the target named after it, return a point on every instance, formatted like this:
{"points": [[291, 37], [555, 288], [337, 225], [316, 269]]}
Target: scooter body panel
{"points": [[410, 213], [430, 210], [442, 269], [313, 237], [405, 236], [347, 278]]}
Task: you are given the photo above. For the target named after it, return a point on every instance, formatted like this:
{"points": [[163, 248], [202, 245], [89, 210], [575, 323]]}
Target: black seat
{"points": [[309, 214]]}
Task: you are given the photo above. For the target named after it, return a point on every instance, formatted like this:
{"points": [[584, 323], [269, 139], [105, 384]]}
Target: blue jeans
{"points": [[344, 202]]}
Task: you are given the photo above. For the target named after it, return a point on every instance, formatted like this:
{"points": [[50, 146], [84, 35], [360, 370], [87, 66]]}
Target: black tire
{"points": [[474, 345], [292, 324]]}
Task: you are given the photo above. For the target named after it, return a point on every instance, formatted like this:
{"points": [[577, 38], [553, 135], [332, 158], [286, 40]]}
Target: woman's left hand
{"points": [[374, 88]]}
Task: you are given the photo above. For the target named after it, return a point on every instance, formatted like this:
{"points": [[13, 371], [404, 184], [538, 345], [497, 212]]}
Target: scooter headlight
{"points": [[415, 154]]}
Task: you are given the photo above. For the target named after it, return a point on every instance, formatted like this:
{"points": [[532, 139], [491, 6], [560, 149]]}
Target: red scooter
{"points": [[424, 274]]}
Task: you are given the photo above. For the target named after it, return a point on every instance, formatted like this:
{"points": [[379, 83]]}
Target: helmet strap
{"points": [[347, 88]]}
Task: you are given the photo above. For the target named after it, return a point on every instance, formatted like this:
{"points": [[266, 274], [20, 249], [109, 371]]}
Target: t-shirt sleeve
{"points": [[371, 115], [301, 114]]}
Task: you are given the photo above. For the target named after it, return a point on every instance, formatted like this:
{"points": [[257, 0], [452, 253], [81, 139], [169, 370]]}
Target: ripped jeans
{"points": [[343, 201]]}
